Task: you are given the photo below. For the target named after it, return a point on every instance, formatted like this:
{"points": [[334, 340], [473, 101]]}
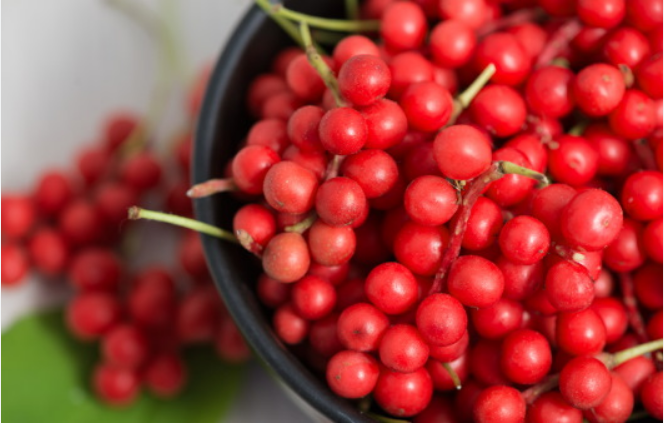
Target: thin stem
{"points": [[469, 93], [630, 353], [513, 19], [352, 10], [136, 213], [453, 375], [340, 25], [333, 167], [289, 27], [578, 129], [247, 241], [319, 64], [301, 226], [475, 189], [211, 186], [532, 393], [633, 314], [327, 37], [558, 41], [628, 75]]}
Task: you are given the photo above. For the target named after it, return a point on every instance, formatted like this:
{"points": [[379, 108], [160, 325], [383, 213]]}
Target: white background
{"points": [[67, 64]]}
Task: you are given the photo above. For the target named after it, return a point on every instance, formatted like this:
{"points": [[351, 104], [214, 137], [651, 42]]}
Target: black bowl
{"points": [[223, 123]]}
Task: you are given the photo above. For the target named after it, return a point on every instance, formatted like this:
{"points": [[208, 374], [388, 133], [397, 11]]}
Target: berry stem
{"points": [[289, 27], [301, 226], [340, 25], [453, 375], [558, 41], [578, 129], [463, 100], [212, 186], [135, 213], [630, 353], [352, 10], [248, 243], [513, 19], [635, 319], [319, 64], [628, 75], [475, 189], [532, 393]]}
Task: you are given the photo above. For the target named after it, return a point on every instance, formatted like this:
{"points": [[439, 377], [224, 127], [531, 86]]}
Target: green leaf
{"points": [[46, 375]]}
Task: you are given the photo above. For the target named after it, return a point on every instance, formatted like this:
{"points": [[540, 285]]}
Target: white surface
{"points": [[66, 65]]}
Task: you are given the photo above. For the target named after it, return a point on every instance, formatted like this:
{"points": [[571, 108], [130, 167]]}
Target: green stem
{"points": [[211, 186], [136, 213], [511, 168], [301, 226], [578, 129], [340, 25], [289, 27], [453, 375], [352, 10], [532, 393], [630, 353], [469, 93], [319, 64]]}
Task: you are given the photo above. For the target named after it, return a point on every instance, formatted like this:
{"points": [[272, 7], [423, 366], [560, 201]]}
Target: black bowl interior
{"points": [[223, 124]]}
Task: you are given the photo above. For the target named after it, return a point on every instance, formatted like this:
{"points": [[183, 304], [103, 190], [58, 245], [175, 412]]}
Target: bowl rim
{"points": [[257, 332]]}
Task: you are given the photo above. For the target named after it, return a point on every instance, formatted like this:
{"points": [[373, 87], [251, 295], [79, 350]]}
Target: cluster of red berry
{"points": [[74, 226], [410, 241]]}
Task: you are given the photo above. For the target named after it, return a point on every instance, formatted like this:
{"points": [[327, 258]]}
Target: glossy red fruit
{"points": [[352, 374], [552, 405], [500, 404], [363, 79], [462, 152], [90, 315], [391, 287], [125, 346], [526, 357], [115, 386], [651, 395], [524, 240], [598, 89], [165, 375], [634, 117], [427, 105], [549, 91], [343, 131], [452, 43], [403, 349], [441, 319], [475, 281], [403, 394], [403, 26], [585, 382], [591, 220], [499, 109], [286, 257], [290, 188], [18, 215]]}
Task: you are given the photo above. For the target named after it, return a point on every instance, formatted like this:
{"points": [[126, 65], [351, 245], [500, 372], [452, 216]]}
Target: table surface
{"points": [[65, 66]]}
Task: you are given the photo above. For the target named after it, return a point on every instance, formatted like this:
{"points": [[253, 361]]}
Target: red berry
{"points": [[116, 386], [403, 394], [430, 200], [591, 220], [403, 26], [500, 404], [166, 375], [363, 79], [18, 215], [598, 89], [462, 152], [499, 109], [526, 357], [585, 382], [343, 131], [441, 319], [125, 346], [352, 374], [475, 281], [95, 269], [90, 315], [391, 287], [15, 264], [286, 257]]}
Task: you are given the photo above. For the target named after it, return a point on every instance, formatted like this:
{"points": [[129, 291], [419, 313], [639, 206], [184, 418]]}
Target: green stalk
{"points": [[319, 64], [630, 353], [289, 27], [340, 25], [136, 213]]}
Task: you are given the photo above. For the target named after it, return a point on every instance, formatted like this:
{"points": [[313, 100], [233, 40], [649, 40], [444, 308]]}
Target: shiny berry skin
{"points": [[484, 225], [286, 257], [257, 220], [95, 269], [374, 170], [313, 298], [449, 353], [407, 68], [90, 315], [115, 386], [613, 315], [500, 404], [580, 333], [441, 319], [644, 15], [505, 52], [552, 405], [572, 160], [386, 124], [15, 264], [499, 109], [360, 327], [616, 406], [125, 346], [440, 376], [585, 382], [403, 394], [549, 91], [642, 195], [302, 128], [472, 12], [475, 281], [568, 286], [364, 79], [165, 375], [420, 248], [521, 281], [451, 44], [430, 200], [649, 76], [626, 46], [303, 79], [591, 220], [331, 245], [340, 201], [648, 286], [634, 117], [391, 287], [614, 152], [526, 357], [651, 395], [462, 152], [250, 165], [427, 105], [152, 299], [352, 374], [403, 349], [290, 188], [497, 320], [353, 45], [598, 89], [652, 240], [271, 133], [511, 189], [532, 147], [18, 215], [403, 26], [524, 240], [141, 171], [343, 131], [626, 252], [289, 326], [601, 13], [262, 88]]}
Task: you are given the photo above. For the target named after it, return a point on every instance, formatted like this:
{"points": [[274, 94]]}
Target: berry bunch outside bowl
{"points": [[223, 124]]}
